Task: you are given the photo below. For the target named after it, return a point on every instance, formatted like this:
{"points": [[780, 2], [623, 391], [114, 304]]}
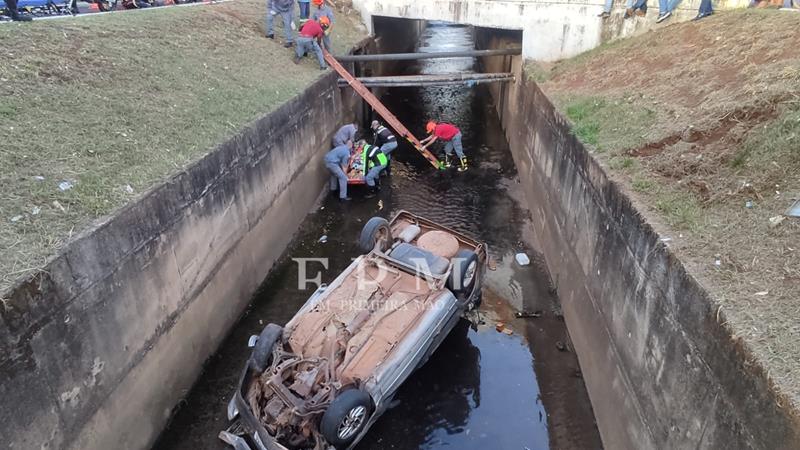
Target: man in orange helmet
{"points": [[324, 10], [308, 41], [451, 135]]}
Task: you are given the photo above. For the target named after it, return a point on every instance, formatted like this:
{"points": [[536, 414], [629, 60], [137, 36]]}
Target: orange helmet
{"points": [[430, 126], [324, 21], [317, 2]]}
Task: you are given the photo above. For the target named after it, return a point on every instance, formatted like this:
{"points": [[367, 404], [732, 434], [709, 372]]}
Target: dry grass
{"points": [[697, 119], [115, 103]]}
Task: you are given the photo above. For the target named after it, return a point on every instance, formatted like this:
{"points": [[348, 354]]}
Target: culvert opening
{"points": [[483, 388]]}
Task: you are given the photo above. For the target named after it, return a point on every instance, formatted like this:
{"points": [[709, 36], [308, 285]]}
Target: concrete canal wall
{"points": [[662, 369]]}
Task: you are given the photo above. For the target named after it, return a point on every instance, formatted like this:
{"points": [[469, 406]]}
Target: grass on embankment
{"points": [[701, 122], [115, 103]]}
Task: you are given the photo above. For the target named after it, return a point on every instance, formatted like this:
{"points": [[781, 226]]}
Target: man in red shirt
{"points": [[310, 34], [451, 135]]}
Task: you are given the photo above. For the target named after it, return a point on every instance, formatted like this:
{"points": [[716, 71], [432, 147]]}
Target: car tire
{"points": [[262, 352], [376, 233], [346, 417], [465, 272]]}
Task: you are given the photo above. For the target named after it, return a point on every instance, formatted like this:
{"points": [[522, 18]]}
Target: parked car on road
{"points": [[322, 380]]}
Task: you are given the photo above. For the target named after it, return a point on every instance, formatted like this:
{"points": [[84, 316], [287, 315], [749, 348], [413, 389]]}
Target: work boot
{"points": [[346, 199], [271, 36], [371, 193], [463, 167], [17, 17], [296, 59], [288, 45], [447, 162]]}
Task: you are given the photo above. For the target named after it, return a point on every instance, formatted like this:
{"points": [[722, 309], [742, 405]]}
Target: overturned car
{"points": [[322, 380]]}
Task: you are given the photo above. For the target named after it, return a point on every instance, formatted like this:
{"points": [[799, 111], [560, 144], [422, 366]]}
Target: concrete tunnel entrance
{"points": [[482, 388]]}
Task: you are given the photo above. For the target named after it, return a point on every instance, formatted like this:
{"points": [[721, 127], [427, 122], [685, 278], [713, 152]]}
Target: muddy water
{"points": [[482, 388]]}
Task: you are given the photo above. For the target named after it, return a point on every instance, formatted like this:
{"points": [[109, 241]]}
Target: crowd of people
{"points": [[314, 32], [667, 7]]}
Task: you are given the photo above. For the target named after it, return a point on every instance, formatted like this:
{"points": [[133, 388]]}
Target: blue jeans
{"points": [[705, 8], [608, 5], [665, 6], [388, 148], [288, 18], [640, 4], [337, 176], [308, 45], [454, 143], [373, 175], [326, 42], [305, 9]]}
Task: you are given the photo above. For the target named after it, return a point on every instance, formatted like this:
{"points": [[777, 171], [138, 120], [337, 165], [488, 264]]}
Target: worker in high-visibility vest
{"points": [[374, 162], [451, 136], [386, 140]]}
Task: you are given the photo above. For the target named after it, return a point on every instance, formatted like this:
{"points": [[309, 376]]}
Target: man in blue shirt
{"points": [[344, 134], [285, 9], [324, 10], [337, 161]]}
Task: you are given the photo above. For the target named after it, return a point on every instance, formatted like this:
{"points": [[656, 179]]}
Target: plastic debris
{"points": [[775, 221], [38, 178], [507, 331], [16, 218], [560, 346], [748, 204], [761, 294], [528, 314], [65, 185], [380, 205], [128, 189], [323, 239], [36, 210], [794, 210], [57, 205], [522, 259], [717, 261]]}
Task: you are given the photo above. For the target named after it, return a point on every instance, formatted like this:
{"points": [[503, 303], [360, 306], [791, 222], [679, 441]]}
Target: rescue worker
{"points": [[374, 162], [324, 10], [344, 134], [308, 41], [13, 12], [337, 162], [451, 135], [305, 8], [284, 8], [386, 140]]}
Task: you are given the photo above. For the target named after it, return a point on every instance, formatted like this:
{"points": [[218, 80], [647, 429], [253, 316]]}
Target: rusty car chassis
{"points": [[322, 380]]}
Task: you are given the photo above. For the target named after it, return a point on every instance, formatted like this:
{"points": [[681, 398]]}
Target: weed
{"points": [[643, 185], [679, 209], [625, 163]]}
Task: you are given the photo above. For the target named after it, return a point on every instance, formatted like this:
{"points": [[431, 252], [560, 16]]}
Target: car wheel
{"points": [[346, 417], [465, 272], [376, 234], [262, 353]]}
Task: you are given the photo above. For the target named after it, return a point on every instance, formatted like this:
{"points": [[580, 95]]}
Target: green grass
{"points": [[609, 124], [125, 99], [623, 163], [777, 143], [680, 209], [643, 185]]}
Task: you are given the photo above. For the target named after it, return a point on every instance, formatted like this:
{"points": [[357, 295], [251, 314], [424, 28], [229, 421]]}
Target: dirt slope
{"points": [[701, 121], [112, 104]]}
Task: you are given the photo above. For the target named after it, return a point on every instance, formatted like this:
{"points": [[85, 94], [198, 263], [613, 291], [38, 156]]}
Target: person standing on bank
{"points": [[324, 10], [284, 8], [13, 11], [451, 135], [337, 162], [344, 134], [305, 8]]}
